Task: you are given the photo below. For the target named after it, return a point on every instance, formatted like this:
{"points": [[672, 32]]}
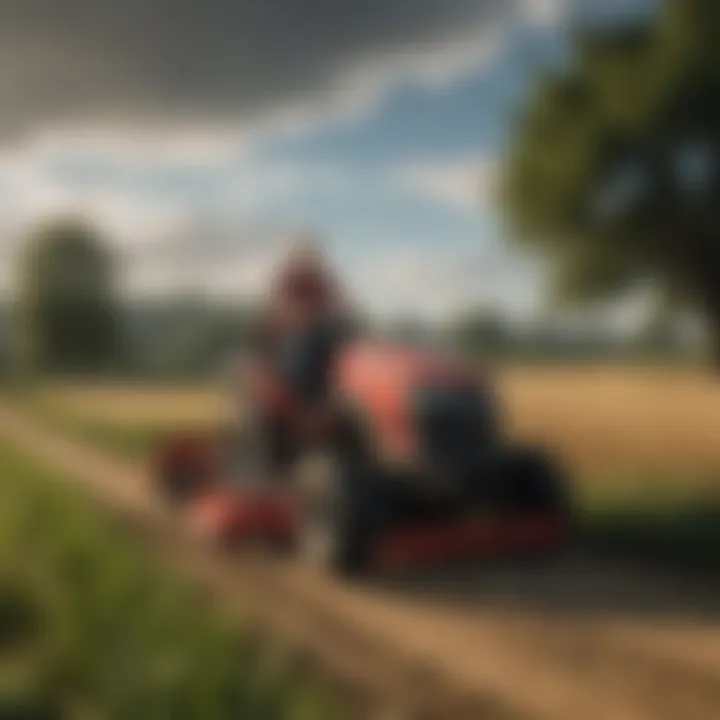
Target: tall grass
{"points": [[90, 627]]}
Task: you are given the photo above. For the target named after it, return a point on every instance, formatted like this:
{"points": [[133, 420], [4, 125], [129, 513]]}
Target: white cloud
{"points": [[437, 282], [446, 60], [546, 12], [118, 175], [168, 242], [463, 185], [126, 181], [165, 235], [215, 257]]}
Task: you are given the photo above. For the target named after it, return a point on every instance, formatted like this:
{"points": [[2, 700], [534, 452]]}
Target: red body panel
{"points": [[237, 516], [378, 378]]}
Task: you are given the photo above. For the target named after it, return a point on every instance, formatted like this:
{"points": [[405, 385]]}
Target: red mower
{"points": [[397, 457]]}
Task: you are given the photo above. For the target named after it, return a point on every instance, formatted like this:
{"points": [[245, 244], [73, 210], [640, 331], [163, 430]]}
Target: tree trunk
{"points": [[713, 335], [714, 349]]}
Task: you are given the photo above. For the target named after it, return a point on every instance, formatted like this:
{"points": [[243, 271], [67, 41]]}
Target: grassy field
{"points": [[90, 627], [132, 404], [642, 444], [604, 421]]}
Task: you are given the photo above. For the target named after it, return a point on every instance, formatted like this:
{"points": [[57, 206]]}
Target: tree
{"points": [[661, 336], [408, 328], [481, 331], [67, 313], [614, 169], [190, 336]]}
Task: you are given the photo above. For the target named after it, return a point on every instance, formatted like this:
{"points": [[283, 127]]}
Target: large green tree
{"points": [[67, 313], [615, 166]]}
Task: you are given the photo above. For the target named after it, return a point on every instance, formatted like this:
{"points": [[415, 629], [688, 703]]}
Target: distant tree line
{"points": [[184, 336], [68, 318], [487, 334]]}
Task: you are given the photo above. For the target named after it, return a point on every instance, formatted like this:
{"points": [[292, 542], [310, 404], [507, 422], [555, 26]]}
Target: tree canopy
{"points": [[615, 166], [68, 319]]}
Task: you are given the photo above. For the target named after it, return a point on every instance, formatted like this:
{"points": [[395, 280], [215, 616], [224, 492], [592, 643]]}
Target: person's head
{"points": [[305, 252]]}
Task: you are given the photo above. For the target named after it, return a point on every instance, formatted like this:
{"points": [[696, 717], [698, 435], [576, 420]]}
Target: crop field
{"points": [[604, 421], [141, 404], [608, 420]]}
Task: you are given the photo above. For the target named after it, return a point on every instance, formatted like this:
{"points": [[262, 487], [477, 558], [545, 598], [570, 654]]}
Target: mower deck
{"points": [[481, 537], [234, 517], [241, 517]]}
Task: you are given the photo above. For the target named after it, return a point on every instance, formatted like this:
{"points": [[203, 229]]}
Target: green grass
{"points": [[673, 522], [131, 441], [90, 627]]}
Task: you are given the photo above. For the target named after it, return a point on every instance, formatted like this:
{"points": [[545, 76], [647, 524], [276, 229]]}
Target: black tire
{"points": [[182, 470], [178, 486], [337, 514], [534, 482]]}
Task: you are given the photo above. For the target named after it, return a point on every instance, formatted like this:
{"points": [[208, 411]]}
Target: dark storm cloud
{"points": [[69, 60]]}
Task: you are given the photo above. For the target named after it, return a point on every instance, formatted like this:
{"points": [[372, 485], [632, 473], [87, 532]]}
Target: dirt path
{"points": [[573, 640]]}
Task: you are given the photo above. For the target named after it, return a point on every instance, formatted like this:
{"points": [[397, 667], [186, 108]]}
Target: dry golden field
{"points": [[600, 418], [605, 418], [144, 404]]}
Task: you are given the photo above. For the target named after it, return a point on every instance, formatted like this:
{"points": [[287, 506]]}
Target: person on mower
{"points": [[304, 318], [304, 321]]}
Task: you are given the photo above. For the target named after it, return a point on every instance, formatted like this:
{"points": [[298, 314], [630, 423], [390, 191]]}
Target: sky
{"points": [[202, 137]]}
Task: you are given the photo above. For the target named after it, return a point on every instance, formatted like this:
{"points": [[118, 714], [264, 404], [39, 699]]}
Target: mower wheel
{"points": [[534, 482], [183, 470], [178, 486], [336, 514]]}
